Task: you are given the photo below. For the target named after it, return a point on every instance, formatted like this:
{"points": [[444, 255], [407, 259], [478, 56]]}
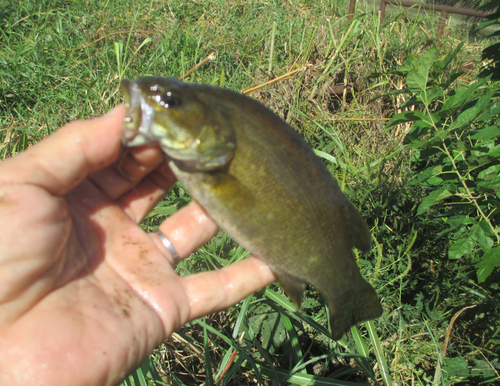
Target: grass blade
{"points": [[208, 358], [302, 379], [379, 352], [288, 306], [364, 352]]}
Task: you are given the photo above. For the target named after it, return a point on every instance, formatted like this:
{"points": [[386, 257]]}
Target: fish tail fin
{"points": [[357, 305]]}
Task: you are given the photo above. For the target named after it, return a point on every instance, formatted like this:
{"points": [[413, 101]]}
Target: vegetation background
{"points": [[406, 122]]}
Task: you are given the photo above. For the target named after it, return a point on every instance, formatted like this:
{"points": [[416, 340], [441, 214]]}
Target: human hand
{"points": [[86, 294]]}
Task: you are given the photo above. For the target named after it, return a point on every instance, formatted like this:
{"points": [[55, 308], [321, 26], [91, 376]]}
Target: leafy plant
{"points": [[454, 143], [492, 52]]}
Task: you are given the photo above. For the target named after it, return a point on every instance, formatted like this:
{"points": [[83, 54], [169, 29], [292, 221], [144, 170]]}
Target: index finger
{"points": [[61, 161]]}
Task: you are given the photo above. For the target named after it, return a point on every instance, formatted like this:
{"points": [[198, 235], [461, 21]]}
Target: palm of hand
{"points": [[84, 287]]}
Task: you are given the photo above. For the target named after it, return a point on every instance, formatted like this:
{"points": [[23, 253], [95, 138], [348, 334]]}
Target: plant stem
{"points": [[470, 196]]}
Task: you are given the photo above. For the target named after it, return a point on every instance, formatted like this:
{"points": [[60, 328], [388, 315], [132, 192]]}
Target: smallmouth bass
{"points": [[260, 181]]}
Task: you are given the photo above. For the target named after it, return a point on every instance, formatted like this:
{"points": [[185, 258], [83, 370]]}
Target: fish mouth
{"points": [[139, 127], [138, 116]]}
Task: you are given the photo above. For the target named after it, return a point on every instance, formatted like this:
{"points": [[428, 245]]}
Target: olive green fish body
{"points": [[266, 188]]}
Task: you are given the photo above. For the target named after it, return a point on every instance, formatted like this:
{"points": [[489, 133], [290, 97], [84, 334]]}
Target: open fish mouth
{"points": [[138, 116]]}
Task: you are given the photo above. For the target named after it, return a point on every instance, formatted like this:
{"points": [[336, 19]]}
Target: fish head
{"points": [[181, 118]]}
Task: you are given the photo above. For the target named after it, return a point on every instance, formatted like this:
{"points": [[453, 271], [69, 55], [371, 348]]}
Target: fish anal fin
{"points": [[292, 287]]}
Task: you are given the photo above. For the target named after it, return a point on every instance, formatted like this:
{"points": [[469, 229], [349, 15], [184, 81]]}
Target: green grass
{"points": [[63, 60]]}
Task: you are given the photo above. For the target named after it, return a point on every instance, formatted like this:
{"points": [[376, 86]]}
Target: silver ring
{"points": [[166, 242]]}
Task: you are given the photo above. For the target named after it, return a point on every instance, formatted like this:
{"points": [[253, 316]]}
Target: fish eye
{"points": [[169, 100]]}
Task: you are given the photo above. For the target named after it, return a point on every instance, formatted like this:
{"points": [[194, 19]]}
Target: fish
{"points": [[262, 184]]}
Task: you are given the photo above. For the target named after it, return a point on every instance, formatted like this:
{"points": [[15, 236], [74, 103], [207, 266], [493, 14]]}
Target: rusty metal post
{"points": [[352, 3], [442, 21], [382, 11], [439, 7], [445, 9]]}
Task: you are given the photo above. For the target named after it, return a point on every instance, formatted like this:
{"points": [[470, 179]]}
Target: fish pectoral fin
{"points": [[351, 307], [292, 287], [231, 191]]}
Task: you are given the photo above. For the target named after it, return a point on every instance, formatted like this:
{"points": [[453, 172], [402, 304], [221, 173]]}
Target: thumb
{"points": [[61, 161]]}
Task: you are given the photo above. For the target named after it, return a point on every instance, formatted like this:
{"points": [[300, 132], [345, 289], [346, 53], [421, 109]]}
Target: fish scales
{"points": [[260, 181]]}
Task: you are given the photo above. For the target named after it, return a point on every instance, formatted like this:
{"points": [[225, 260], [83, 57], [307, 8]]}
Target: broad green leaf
{"points": [[425, 152], [405, 116], [487, 133], [485, 226], [483, 240], [459, 225], [437, 175], [490, 173], [456, 368], [273, 332], [458, 220], [269, 323], [415, 100], [433, 198], [488, 263], [434, 93], [418, 130], [463, 246], [418, 76], [459, 96], [472, 113], [489, 185], [429, 172], [436, 181], [483, 148], [485, 243], [488, 370], [465, 118], [441, 135], [414, 144], [310, 302]]}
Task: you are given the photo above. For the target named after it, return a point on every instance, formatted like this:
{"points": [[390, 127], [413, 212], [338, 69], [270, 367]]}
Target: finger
{"points": [[130, 169], [62, 160], [212, 291], [139, 201], [187, 230]]}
